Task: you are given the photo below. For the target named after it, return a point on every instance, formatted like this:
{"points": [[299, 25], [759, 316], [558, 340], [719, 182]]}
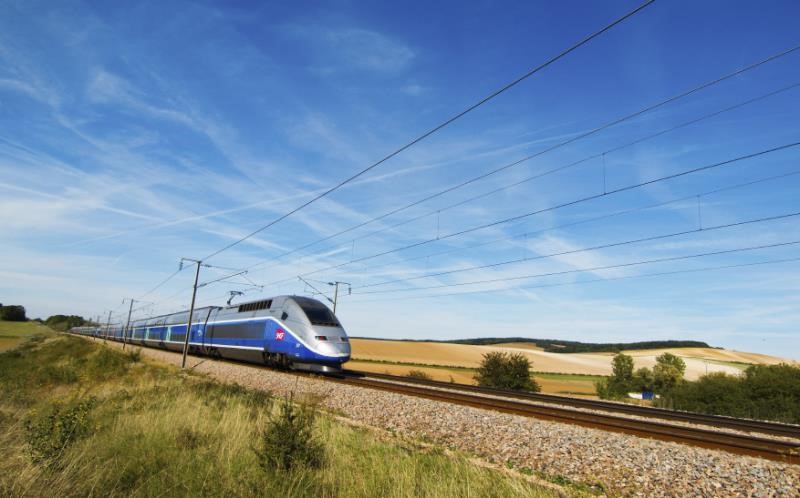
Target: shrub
{"points": [[135, 355], [50, 434], [288, 441], [418, 374], [506, 371]]}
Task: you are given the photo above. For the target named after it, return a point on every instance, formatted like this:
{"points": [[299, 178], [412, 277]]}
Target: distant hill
{"points": [[559, 346]]}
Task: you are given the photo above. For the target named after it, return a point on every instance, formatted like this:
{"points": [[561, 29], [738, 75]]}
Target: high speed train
{"points": [[285, 331]]}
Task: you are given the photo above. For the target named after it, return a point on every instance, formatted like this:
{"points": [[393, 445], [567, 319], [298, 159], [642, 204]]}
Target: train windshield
{"points": [[317, 313]]}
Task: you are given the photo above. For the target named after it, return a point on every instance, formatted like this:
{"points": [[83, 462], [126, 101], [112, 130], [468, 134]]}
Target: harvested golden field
{"points": [[554, 385], [715, 355], [520, 345], [465, 355]]}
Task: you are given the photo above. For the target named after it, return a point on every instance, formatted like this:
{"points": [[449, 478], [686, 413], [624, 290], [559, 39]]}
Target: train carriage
{"points": [[287, 331]]}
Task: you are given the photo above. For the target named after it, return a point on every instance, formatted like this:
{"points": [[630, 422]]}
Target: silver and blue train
{"points": [[293, 332]]}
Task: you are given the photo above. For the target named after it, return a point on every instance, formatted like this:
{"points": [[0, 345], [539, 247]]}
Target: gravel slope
{"points": [[622, 464]]}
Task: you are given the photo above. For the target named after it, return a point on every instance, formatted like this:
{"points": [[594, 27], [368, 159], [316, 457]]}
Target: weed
{"points": [[50, 434], [188, 439], [288, 440], [135, 355], [59, 374], [418, 374]]}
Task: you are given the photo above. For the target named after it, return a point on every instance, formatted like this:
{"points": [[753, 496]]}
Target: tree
{"points": [[622, 367], [506, 371], [643, 380], [671, 359], [668, 372], [12, 313]]}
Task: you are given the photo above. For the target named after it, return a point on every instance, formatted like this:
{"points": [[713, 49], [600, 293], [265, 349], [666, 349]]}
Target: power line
{"points": [[170, 277], [593, 219], [562, 144], [586, 249], [555, 207], [583, 282], [440, 126], [581, 270]]}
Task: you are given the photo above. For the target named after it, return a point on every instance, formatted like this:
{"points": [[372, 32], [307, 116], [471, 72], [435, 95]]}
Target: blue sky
{"points": [[132, 136]]}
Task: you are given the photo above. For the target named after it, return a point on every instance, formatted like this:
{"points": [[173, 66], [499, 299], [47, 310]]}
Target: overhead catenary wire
{"points": [[571, 140], [552, 208], [581, 161], [592, 219], [581, 282], [699, 229], [582, 270], [440, 126]]}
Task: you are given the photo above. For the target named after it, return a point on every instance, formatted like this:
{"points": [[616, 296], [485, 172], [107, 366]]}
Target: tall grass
{"points": [[85, 420]]}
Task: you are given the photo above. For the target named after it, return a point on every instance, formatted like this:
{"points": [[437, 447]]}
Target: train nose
{"points": [[334, 347]]}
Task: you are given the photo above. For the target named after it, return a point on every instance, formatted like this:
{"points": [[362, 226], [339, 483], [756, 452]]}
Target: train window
{"points": [[317, 313], [284, 316], [239, 331]]}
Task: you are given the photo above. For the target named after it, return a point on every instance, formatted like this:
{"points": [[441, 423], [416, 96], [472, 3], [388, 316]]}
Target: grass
{"points": [[82, 419], [14, 333]]}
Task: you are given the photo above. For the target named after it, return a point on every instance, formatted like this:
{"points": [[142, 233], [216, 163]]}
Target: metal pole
{"points": [[127, 326], [108, 323], [191, 312], [335, 297]]}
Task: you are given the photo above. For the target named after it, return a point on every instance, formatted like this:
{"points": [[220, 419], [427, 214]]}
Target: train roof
{"points": [[199, 313]]}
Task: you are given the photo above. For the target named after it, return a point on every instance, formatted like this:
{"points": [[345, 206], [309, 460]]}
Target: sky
{"points": [[135, 134]]}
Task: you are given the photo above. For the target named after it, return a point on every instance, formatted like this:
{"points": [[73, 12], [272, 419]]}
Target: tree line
{"points": [[17, 313], [764, 392]]}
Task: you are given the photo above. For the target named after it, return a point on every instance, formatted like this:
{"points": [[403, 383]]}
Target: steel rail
{"points": [[772, 449], [747, 425]]}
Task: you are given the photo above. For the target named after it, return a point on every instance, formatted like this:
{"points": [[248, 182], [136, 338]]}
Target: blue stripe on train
{"points": [[270, 342]]}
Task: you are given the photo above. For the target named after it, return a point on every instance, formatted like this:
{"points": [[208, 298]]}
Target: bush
{"points": [[418, 374], [12, 313], [288, 441], [65, 322], [766, 392], [506, 371], [50, 434]]}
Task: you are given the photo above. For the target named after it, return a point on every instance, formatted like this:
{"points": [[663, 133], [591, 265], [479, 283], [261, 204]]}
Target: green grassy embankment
{"points": [[81, 419]]}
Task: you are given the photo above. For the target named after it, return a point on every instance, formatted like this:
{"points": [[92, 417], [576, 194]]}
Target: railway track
{"points": [[745, 425], [773, 449]]}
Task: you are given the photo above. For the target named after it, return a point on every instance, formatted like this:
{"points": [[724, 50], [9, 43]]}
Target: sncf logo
{"points": [[279, 334]]}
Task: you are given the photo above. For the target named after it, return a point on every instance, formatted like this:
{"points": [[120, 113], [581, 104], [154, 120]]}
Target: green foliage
{"points": [[506, 371], [669, 359], [288, 441], [135, 355], [418, 374], [49, 434], [765, 392], [12, 313], [65, 322], [665, 376], [643, 380], [668, 373], [621, 380]]}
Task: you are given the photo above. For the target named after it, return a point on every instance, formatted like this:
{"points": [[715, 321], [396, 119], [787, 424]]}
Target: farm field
{"points": [[698, 360], [13, 333], [567, 384]]}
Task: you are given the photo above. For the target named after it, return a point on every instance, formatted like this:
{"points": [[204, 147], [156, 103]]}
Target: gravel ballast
{"points": [[620, 464]]}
